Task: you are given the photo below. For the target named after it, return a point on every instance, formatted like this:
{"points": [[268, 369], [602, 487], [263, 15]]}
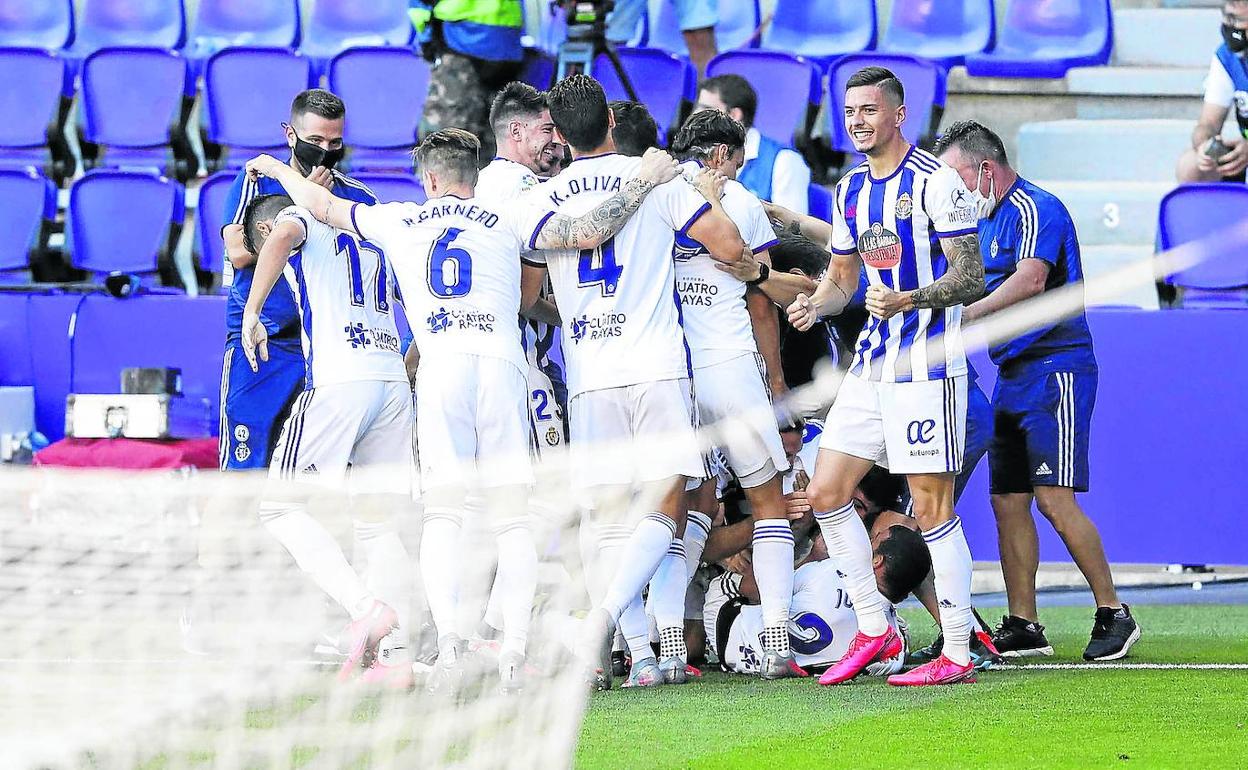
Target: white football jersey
{"points": [[821, 622], [621, 315], [458, 266], [504, 179], [345, 294], [717, 324]]}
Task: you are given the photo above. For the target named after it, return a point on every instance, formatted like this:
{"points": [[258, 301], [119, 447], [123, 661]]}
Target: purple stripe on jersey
{"points": [[843, 252], [936, 326], [766, 246], [305, 313], [705, 207], [680, 319], [355, 225], [908, 280], [850, 208], [957, 233], [538, 230], [876, 214]]}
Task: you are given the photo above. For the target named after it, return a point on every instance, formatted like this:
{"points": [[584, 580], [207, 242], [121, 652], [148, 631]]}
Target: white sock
{"points": [[440, 567], [318, 554], [773, 571], [602, 552], [697, 530], [641, 556], [850, 549], [635, 627], [667, 600], [951, 561], [516, 581], [387, 571]]}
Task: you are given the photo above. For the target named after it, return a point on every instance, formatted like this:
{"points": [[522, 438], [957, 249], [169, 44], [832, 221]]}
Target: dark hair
{"points": [[881, 77], [883, 490], [578, 106], [735, 91], [794, 250], [262, 208], [451, 151], [906, 562], [703, 130], [317, 101], [974, 140], [635, 130], [516, 100]]}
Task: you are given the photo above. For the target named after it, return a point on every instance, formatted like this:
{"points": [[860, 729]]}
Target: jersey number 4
{"points": [[381, 289], [598, 267], [450, 268]]}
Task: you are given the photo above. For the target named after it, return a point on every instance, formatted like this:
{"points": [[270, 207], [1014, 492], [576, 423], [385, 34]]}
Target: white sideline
{"points": [[1126, 666]]}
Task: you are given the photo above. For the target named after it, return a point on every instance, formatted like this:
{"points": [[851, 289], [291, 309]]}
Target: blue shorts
{"points": [[254, 405], [1041, 424]]}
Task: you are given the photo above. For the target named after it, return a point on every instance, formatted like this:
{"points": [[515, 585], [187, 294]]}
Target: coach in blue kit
{"points": [[1046, 388], [255, 404]]}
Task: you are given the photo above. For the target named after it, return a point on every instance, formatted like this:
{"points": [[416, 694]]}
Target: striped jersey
{"points": [[346, 295], [895, 224]]}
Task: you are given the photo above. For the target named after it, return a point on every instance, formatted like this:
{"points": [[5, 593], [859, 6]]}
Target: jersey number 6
{"points": [[450, 269]]}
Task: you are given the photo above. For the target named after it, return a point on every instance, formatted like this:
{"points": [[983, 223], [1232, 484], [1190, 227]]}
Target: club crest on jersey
{"points": [[905, 206], [552, 437], [880, 247], [242, 452], [993, 249]]}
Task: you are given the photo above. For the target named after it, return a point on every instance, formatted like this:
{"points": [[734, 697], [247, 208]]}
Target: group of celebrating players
{"points": [[654, 273]]}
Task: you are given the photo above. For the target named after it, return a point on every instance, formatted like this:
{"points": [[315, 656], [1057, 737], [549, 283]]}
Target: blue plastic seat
{"points": [[946, 32], [247, 95], [1044, 39], [1196, 212], [737, 27], [210, 217], [661, 79], [393, 188], [36, 23], [27, 209], [35, 89], [120, 221], [335, 25], [822, 29], [114, 23], [227, 23], [133, 102], [923, 80], [537, 69], [789, 89], [385, 91], [819, 201]]}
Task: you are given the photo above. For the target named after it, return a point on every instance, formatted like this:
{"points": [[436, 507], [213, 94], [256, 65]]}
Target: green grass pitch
{"points": [[1089, 718]]}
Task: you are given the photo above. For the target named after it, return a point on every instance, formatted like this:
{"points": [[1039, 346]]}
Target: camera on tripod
{"points": [[587, 37]]}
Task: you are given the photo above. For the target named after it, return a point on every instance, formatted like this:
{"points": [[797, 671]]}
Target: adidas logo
{"points": [[311, 469], [1044, 470], [945, 604]]}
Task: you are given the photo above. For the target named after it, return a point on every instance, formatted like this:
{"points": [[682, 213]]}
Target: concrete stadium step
{"points": [[1089, 150], [1169, 37], [1111, 213], [1100, 260]]}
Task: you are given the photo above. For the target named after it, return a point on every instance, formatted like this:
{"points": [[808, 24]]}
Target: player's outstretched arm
{"points": [[755, 269], [803, 224], [837, 286], [269, 265], [597, 226], [324, 205]]}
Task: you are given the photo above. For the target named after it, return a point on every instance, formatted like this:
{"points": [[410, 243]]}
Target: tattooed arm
{"points": [[962, 283], [595, 227]]}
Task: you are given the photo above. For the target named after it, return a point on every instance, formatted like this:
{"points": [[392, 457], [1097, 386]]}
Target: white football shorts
{"points": [[906, 427], [734, 405]]}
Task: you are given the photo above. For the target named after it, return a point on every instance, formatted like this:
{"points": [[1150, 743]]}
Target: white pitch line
{"points": [[1127, 666]]}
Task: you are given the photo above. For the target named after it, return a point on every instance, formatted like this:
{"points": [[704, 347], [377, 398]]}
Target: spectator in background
{"points": [[1208, 160], [474, 46], [635, 130], [697, 25], [772, 171]]}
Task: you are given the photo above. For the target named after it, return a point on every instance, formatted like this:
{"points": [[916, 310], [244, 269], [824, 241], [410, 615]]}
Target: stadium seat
{"points": [[662, 81], [1043, 40], [27, 209], [789, 90], [210, 217], [737, 27], [36, 23], [822, 29], [120, 221], [244, 112], [947, 32], [924, 82], [113, 23], [334, 25], [393, 188], [1193, 212], [35, 92], [819, 201], [227, 23], [134, 103], [385, 89]]}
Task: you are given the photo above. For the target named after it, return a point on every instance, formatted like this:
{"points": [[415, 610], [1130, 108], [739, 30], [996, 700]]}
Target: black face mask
{"points": [[310, 155], [1235, 39]]}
